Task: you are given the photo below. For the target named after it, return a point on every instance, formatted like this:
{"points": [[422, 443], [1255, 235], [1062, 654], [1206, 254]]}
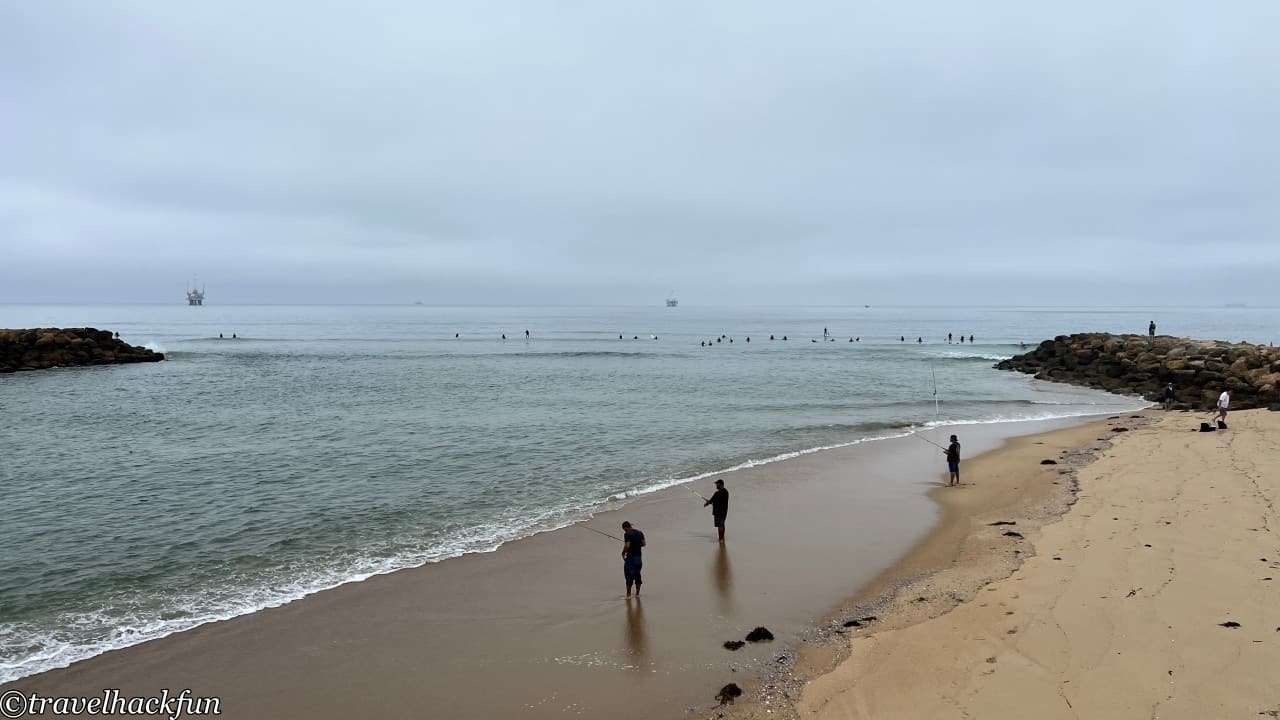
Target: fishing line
{"points": [[588, 527]]}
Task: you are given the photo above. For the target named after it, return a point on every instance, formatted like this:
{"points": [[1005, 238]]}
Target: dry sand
{"points": [[1117, 610]]}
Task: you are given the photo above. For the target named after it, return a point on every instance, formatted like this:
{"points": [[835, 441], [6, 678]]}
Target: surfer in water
{"points": [[953, 460], [719, 502], [632, 550]]}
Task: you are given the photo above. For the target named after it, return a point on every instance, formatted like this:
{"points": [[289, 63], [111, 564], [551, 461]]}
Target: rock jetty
{"points": [[1136, 364], [40, 348]]}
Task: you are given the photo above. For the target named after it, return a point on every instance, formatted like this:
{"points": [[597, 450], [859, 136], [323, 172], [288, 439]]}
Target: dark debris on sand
{"points": [[760, 634], [1048, 462], [1002, 522], [1012, 534], [729, 693], [733, 644], [1230, 624]]}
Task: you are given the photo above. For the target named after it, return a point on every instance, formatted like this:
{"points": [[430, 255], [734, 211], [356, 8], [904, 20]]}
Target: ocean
{"points": [[326, 444]]}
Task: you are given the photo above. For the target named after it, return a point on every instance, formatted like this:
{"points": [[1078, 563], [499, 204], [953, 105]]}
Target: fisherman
{"points": [[784, 337], [1151, 329], [719, 502], [970, 339], [953, 460], [949, 339], [504, 336], [526, 334], [703, 343], [455, 336], [233, 336], [1168, 396], [824, 332], [902, 338], [1224, 401], [919, 340], [770, 337], [632, 549], [220, 336], [961, 339]]}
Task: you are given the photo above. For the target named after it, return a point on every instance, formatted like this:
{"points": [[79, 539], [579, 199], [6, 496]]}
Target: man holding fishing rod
{"points": [[719, 502], [953, 460], [632, 550]]}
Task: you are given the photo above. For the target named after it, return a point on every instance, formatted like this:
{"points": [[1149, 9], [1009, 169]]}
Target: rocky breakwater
{"points": [[1136, 364], [40, 348]]}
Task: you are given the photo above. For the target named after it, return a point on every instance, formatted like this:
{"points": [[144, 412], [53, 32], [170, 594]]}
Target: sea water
{"points": [[325, 444]]}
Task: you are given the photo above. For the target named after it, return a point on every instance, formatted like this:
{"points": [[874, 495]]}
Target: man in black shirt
{"points": [[719, 502], [953, 460], [632, 550]]}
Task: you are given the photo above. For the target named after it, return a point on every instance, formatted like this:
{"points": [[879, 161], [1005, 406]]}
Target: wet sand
{"points": [[1155, 595], [539, 628]]}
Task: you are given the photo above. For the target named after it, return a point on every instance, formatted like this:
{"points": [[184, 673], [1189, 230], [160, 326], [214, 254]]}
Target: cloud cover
{"points": [[575, 152]]}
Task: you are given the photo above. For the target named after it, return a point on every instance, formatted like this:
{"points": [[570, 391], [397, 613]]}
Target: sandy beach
{"points": [[1154, 595], [1102, 584], [540, 629]]}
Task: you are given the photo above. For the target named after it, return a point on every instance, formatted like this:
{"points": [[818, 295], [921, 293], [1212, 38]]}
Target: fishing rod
{"points": [[918, 435], [598, 532], [695, 492]]}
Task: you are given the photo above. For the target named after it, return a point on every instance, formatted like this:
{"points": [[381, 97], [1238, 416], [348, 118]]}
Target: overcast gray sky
{"points": [[604, 152]]}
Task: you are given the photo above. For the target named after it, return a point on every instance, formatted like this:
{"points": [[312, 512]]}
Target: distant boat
{"points": [[672, 301]]}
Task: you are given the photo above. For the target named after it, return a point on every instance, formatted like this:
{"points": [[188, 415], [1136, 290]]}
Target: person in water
{"points": [[970, 339], [953, 460], [632, 560], [719, 502], [949, 339]]}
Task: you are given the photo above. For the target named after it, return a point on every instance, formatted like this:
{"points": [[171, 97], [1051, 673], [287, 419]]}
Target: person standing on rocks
{"points": [[632, 561], [953, 460], [1151, 329], [719, 502], [1224, 401]]}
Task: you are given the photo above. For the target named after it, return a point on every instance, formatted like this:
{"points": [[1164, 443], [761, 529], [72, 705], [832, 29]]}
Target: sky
{"points": [[734, 152]]}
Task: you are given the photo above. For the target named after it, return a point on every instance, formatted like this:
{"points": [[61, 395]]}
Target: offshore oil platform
{"points": [[195, 296]]}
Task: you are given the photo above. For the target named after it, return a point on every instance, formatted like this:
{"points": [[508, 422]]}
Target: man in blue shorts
{"points": [[632, 550], [953, 460]]}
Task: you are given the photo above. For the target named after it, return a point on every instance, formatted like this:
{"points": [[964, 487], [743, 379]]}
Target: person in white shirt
{"points": [[1224, 401]]}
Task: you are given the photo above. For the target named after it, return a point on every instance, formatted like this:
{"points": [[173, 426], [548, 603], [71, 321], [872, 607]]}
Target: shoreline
{"points": [[613, 503], [344, 597]]}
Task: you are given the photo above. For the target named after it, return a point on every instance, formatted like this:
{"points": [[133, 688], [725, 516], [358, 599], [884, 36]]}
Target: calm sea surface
{"points": [[325, 444]]}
